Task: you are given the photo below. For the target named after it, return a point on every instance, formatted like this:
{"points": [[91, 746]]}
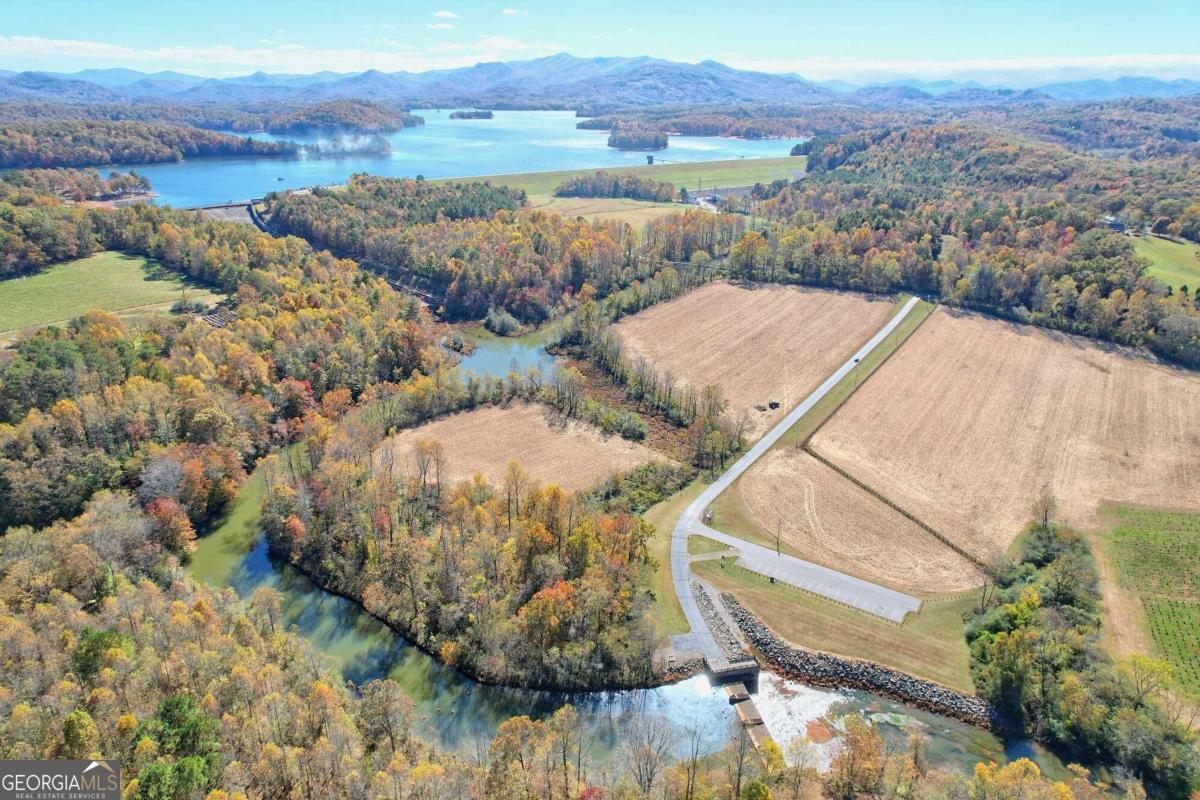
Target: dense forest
{"points": [[350, 116], [74, 143], [609, 184], [527, 263], [517, 583], [179, 409], [78, 184], [1138, 128], [637, 137], [1036, 658], [36, 227], [989, 221]]}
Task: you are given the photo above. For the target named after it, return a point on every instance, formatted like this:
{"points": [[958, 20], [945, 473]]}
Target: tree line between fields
{"points": [[144, 431]]}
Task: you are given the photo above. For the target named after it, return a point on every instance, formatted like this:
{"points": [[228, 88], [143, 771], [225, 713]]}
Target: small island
{"points": [[478, 114], [637, 138]]}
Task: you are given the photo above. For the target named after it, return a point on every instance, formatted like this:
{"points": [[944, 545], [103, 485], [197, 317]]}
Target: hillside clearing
{"points": [[972, 417], [760, 344], [105, 281], [571, 454], [1174, 263]]}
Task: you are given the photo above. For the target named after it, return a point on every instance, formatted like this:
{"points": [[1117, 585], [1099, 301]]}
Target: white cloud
{"points": [[447, 15], [511, 12], [440, 26], [35, 52], [1021, 71]]}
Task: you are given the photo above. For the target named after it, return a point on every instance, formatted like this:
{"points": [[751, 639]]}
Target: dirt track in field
{"points": [[482, 441], [972, 416], [831, 521], [758, 344]]}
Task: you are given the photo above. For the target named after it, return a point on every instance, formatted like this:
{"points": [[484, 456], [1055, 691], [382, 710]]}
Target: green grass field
{"points": [[706, 174], [666, 611], [699, 545], [107, 281], [1172, 263], [1157, 559], [929, 644]]}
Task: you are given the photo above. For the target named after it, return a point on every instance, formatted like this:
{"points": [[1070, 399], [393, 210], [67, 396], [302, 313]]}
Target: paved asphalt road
{"points": [[846, 589]]}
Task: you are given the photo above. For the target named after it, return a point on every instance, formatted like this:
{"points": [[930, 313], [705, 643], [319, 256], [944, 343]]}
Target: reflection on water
{"points": [[499, 355], [514, 141]]}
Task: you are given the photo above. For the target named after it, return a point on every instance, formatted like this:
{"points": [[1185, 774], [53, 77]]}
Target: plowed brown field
{"points": [[758, 344], [972, 416], [831, 521], [572, 455]]}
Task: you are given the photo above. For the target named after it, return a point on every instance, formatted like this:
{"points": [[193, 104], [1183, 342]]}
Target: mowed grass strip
{"points": [[106, 281], [1174, 263], [666, 611], [1157, 559], [928, 645], [706, 174]]}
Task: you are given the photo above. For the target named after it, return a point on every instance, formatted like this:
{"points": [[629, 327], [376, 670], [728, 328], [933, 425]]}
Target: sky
{"points": [[1017, 42]]}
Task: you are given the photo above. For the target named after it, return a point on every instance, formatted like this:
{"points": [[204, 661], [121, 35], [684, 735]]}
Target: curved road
{"points": [[864, 595]]}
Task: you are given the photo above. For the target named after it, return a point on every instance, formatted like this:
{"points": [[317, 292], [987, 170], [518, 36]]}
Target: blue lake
{"points": [[514, 141]]}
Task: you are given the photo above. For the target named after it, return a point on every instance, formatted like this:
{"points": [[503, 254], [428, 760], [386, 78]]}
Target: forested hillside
{"points": [[354, 116], [475, 249], [74, 143], [988, 220]]}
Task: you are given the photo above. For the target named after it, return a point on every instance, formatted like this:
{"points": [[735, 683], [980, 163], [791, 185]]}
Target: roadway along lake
{"points": [[514, 141]]}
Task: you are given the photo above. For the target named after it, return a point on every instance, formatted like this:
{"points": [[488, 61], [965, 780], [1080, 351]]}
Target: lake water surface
{"points": [[514, 141]]}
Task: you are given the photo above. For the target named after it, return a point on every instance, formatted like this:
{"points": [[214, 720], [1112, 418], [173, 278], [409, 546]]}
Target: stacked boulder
{"points": [[822, 669]]}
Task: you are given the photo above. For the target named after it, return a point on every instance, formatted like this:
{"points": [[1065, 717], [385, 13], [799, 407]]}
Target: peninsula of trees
{"points": [[477, 114], [343, 116], [73, 143]]}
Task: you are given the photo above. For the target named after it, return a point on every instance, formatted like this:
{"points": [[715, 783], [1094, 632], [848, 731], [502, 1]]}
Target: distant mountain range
{"points": [[562, 81]]}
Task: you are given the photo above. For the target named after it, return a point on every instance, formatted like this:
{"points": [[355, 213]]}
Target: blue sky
{"points": [[1019, 41]]}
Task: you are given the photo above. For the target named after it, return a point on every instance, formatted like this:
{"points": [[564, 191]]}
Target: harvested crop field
{"points": [[832, 521], [967, 422], [571, 454], [758, 344]]}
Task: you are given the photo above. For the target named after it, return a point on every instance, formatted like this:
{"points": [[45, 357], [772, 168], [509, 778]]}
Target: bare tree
{"points": [[1044, 506], [739, 756], [646, 744], [693, 737]]}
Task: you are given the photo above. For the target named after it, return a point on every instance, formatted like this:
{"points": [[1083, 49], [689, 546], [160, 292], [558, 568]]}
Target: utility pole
{"points": [[778, 527]]}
